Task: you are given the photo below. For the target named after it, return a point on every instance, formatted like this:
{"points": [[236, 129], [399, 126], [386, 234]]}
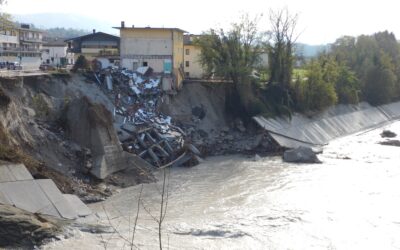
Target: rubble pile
{"points": [[141, 128], [230, 140]]}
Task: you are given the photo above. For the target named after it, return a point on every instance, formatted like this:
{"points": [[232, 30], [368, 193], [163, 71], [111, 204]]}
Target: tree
{"points": [[6, 20], [81, 63], [283, 37], [379, 85], [319, 93], [347, 86], [233, 55]]}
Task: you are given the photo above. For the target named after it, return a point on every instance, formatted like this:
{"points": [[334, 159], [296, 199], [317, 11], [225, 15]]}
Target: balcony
{"points": [[8, 39], [18, 49], [30, 40]]}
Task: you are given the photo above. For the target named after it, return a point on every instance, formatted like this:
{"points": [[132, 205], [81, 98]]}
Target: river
{"points": [[350, 201]]}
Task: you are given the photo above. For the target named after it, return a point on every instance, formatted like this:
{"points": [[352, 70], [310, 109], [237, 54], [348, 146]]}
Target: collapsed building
{"points": [[142, 130]]}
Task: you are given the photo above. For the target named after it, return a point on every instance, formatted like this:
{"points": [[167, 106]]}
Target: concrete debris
{"points": [[141, 129], [301, 155]]}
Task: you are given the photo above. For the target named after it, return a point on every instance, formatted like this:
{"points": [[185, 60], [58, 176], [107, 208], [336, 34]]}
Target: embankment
{"points": [[335, 122]]}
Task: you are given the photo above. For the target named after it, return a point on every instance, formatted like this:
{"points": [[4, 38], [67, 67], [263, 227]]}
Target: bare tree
{"points": [[283, 37], [164, 192], [129, 241]]}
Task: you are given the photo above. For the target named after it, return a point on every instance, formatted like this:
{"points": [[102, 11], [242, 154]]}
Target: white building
{"points": [[56, 53]]}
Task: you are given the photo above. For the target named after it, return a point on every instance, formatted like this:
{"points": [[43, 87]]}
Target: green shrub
{"points": [[40, 105]]}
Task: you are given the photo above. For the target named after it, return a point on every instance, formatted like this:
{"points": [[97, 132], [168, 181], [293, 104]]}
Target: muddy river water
{"points": [[351, 201]]}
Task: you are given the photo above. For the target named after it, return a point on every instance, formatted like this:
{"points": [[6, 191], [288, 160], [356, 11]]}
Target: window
{"points": [[187, 63], [187, 52], [187, 74], [145, 64]]}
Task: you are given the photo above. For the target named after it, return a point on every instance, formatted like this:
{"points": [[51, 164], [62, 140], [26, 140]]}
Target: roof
{"points": [[150, 28], [91, 34], [54, 43], [188, 39]]}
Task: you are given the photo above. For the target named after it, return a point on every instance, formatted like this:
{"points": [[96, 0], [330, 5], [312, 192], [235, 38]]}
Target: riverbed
{"points": [[350, 201]]}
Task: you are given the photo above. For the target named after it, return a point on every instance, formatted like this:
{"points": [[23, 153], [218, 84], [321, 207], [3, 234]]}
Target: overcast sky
{"points": [[320, 21]]}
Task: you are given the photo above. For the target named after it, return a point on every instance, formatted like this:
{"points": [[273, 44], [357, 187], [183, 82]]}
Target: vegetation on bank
{"points": [[364, 68]]}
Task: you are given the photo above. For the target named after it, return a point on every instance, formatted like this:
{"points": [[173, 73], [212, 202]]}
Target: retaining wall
{"points": [[335, 122]]}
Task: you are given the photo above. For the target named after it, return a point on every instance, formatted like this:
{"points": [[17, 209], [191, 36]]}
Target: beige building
{"points": [[159, 48], [20, 43], [193, 67]]}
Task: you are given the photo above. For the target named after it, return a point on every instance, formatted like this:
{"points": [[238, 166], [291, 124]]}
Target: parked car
{"points": [[14, 66], [45, 66]]}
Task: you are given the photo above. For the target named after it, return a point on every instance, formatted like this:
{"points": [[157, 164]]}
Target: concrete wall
{"points": [[192, 55], [55, 52], [149, 45], [335, 122], [177, 63], [156, 64]]}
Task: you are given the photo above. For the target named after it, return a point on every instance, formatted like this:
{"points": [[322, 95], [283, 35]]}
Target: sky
{"points": [[320, 22]]}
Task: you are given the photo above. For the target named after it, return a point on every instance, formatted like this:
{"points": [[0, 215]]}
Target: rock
{"points": [[257, 158], [193, 149], [127, 127], [258, 140], [29, 112], [301, 155], [229, 137], [225, 129], [19, 228], [199, 112], [202, 133], [395, 143], [388, 134], [239, 125]]}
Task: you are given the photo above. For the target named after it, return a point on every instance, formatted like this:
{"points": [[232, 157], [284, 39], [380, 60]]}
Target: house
{"points": [[55, 53], [20, 43], [158, 48], [95, 45], [193, 67]]}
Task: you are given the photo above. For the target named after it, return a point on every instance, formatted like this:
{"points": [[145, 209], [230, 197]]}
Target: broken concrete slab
{"points": [[62, 205], [14, 172], [20, 172], [5, 174], [29, 196], [78, 206], [36, 196], [4, 199]]}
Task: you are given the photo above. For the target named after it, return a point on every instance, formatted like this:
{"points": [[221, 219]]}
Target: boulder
{"points": [[301, 155], [395, 143], [19, 228], [257, 158], [388, 134]]}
